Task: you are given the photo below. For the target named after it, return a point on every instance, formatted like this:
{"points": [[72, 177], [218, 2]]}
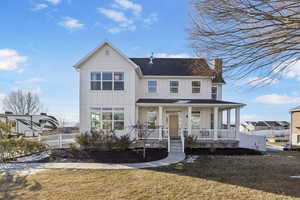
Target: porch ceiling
{"points": [[188, 102]]}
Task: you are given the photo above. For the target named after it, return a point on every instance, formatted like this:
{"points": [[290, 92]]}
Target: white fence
{"points": [[270, 132], [208, 134], [58, 140], [249, 141]]}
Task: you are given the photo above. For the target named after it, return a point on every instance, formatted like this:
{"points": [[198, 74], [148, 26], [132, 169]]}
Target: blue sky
{"points": [[42, 39]]}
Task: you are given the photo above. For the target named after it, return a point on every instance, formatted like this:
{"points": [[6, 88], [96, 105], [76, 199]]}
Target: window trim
{"points": [[198, 113], [170, 87], [95, 81], [113, 81], [212, 94], [155, 122], [196, 87], [113, 111], [156, 88]]}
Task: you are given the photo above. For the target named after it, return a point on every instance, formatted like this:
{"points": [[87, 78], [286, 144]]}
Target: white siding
{"points": [[100, 62], [184, 91], [182, 113]]}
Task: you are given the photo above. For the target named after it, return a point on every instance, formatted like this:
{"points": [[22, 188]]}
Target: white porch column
{"points": [[189, 120], [228, 118], [220, 119], [216, 116], [136, 114], [160, 121], [237, 121]]}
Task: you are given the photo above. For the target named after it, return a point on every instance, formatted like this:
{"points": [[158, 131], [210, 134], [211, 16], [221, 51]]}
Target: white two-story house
{"points": [[172, 96]]}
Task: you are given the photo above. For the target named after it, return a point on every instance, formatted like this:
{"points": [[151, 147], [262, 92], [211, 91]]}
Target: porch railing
{"points": [[203, 134], [208, 134], [152, 133]]}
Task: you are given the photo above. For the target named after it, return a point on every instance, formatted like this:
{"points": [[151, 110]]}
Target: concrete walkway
{"points": [[16, 167]]}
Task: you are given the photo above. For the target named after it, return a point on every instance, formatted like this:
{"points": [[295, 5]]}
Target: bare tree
{"points": [[254, 37], [20, 102]]}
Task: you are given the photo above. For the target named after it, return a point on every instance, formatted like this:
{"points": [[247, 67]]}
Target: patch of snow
{"points": [[191, 159], [295, 177], [34, 157]]}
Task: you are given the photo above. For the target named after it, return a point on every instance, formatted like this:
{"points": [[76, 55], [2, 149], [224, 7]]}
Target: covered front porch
{"points": [[209, 120]]}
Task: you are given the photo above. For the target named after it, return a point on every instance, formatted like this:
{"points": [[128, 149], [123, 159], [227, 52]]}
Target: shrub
{"points": [[5, 130], [105, 141], [124, 142], [191, 140], [11, 148], [99, 140], [83, 140]]}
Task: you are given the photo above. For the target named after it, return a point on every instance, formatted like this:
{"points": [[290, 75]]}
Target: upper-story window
{"points": [[196, 86], [214, 92], [174, 87], [152, 86], [107, 81], [96, 81]]}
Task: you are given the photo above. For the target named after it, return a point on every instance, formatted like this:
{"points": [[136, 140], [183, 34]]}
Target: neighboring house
{"points": [[295, 126], [171, 96], [30, 125], [250, 126]]}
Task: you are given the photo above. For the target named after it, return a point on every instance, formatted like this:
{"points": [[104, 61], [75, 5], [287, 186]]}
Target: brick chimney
{"points": [[218, 65]]}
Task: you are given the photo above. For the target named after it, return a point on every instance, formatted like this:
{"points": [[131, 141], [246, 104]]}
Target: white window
{"points": [[96, 81], [107, 81], [151, 120], [196, 86], [196, 120], [174, 87], [152, 86], [107, 119], [214, 92]]}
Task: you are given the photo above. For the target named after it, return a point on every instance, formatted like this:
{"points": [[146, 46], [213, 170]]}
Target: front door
{"points": [[173, 125]]}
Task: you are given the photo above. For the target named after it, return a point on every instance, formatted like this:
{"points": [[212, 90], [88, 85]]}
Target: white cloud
{"points": [[260, 81], [10, 59], [128, 5], [126, 15], [123, 23], [249, 117], [116, 16], [40, 7], [31, 81], [25, 88], [289, 69], [53, 1], [166, 55], [277, 99], [152, 18], [71, 23]]}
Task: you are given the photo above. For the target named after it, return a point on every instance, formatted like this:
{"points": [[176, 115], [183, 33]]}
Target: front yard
{"points": [[210, 177]]}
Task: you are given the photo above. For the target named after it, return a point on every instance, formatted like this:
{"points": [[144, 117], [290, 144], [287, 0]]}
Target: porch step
{"points": [[175, 144]]}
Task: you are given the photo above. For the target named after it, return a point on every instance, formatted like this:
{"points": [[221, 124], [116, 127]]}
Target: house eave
{"points": [[192, 105], [78, 65], [177, 77]]}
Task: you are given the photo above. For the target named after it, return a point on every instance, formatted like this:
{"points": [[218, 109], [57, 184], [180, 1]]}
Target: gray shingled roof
{"points": [[177, 67]]}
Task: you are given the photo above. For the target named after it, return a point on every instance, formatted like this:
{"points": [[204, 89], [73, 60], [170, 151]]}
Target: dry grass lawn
{"points": [[211, 177]]}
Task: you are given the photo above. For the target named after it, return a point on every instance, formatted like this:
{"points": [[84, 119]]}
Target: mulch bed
{"points": [[222, 151], [98, 156]]}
